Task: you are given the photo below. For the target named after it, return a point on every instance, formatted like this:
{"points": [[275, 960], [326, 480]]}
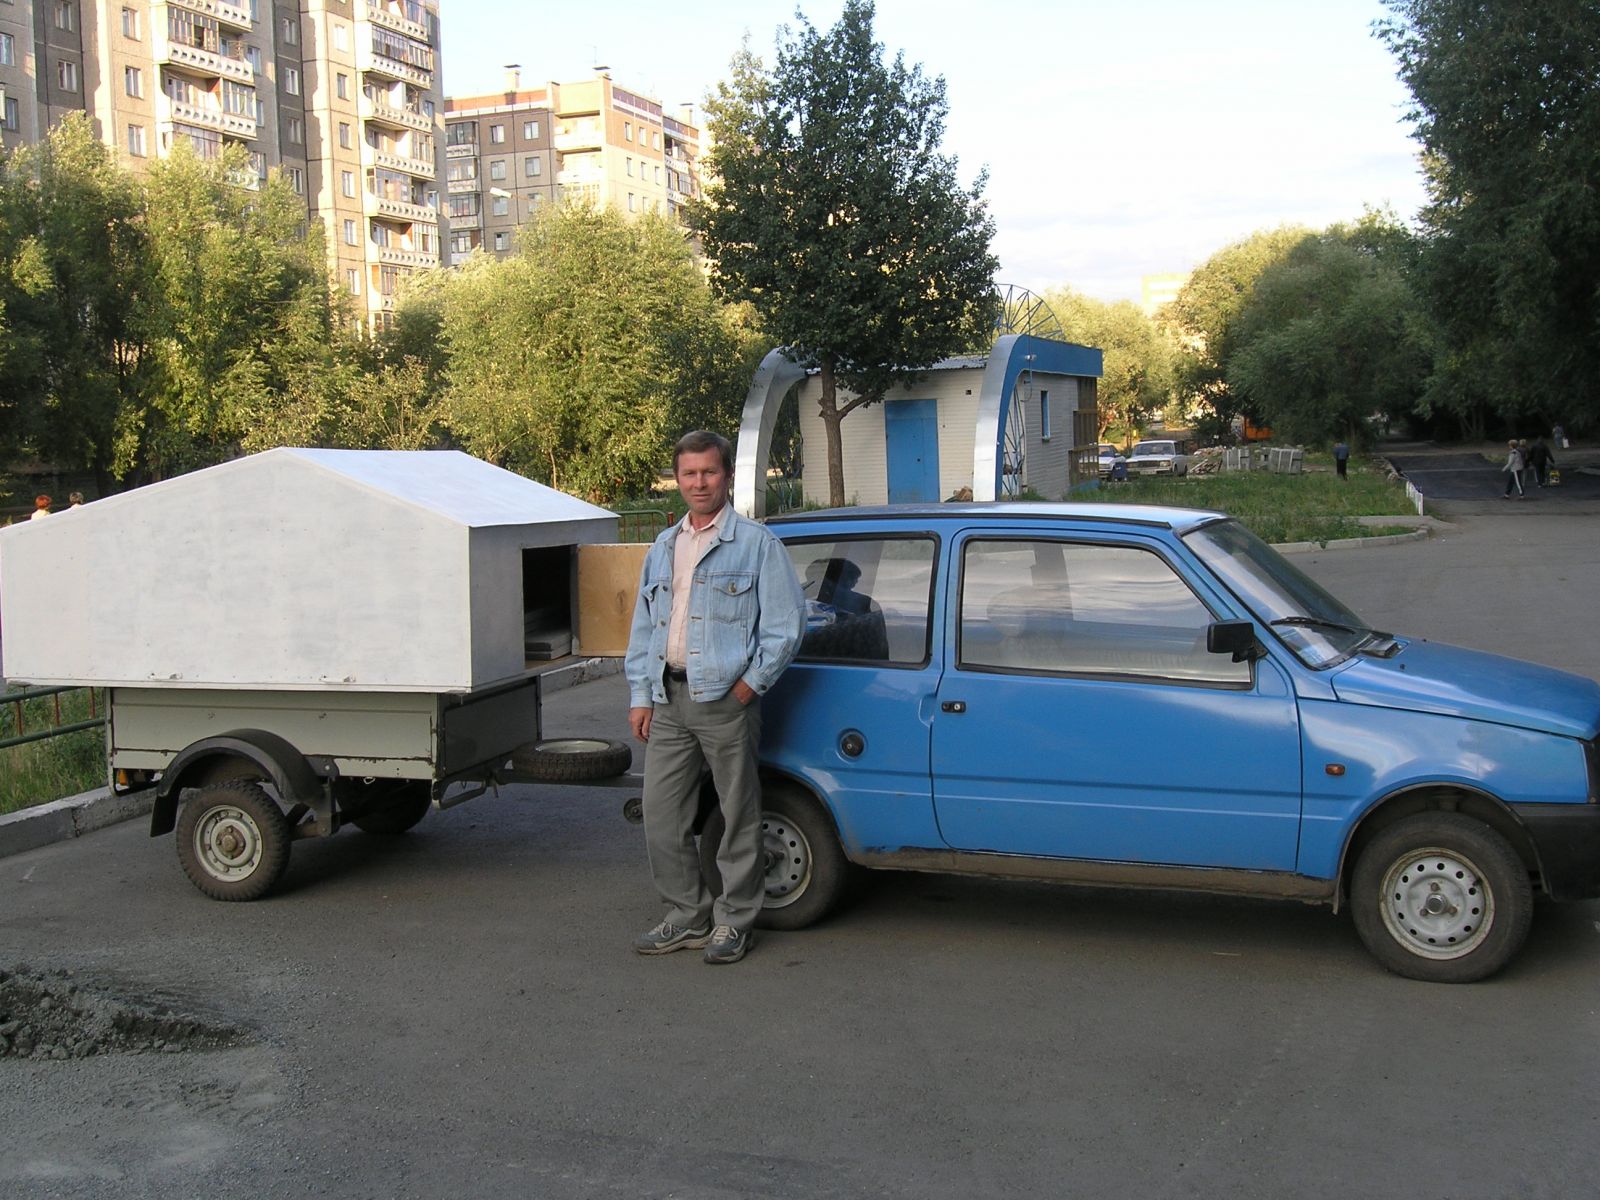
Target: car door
{"points": [[852, 715], [1081, 716]]}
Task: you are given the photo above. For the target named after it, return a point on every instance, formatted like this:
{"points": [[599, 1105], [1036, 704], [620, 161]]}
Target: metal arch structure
{"points": [[1012, 355], [1000, 440], [1023, 312], [774, 377]]}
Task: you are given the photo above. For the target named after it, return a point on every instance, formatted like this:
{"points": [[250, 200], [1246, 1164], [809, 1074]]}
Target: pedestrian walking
{"points": [[719, 615], [1514, 467], [41, 508], [1341, 459], [1540, 460]]}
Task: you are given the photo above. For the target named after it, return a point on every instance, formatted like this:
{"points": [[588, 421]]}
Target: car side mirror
{"points": [[1237, 638]]}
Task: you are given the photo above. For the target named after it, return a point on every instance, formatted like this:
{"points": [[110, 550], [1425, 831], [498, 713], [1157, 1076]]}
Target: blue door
{"points": [[911, 440], [1086, 719]]}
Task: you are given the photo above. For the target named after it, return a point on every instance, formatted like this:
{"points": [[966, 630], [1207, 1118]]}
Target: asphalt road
{"points": [[457, 1013]]}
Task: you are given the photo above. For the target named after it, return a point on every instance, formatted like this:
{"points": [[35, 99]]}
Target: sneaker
{"points": [[728, 945], [667, 937]]}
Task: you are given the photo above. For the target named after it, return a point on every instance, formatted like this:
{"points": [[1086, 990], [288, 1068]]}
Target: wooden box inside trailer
{"points": [[342, 570]]}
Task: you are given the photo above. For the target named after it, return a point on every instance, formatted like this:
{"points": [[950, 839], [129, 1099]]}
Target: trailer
{"points": [[304, 639]]}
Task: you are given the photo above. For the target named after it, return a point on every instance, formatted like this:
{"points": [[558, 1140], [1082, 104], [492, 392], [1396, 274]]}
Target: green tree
{"points": [[1203, 315], [1508, 111], [581, 358], [833, 213], [1332, 334], [1139, 356], [74, 284]]}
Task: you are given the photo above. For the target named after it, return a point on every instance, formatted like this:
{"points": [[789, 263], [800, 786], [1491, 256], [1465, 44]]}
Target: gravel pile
{"points": [[52, 1015]]}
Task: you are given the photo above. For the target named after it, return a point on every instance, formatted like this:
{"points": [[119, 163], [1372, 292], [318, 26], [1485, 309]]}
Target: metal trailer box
{"points": [[309, 570]]}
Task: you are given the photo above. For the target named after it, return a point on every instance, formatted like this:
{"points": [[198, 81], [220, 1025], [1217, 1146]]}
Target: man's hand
{"points": [[743, 692], [639, 722]]}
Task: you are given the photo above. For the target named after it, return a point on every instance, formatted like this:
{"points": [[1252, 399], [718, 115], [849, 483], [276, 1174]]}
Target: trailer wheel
{"points": [[233, 841], [571, 760], [397, 815]]}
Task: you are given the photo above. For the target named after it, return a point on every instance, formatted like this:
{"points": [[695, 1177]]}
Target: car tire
{"points": [[1441, 897], [571, 760], [806, 872], [233, 841]]}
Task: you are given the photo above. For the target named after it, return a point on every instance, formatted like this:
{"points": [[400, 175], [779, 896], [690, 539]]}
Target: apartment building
{"points": [[508, 152], [341, 95]]}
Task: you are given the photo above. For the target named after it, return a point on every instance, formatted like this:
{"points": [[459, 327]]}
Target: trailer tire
{"points": [[397, 815], [571, 760], [233, 841]]}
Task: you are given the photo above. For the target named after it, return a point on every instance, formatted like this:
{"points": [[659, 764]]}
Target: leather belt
{"points": [[677, 674]]}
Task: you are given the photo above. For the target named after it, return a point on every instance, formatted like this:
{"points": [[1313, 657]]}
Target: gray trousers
{"points": [[724, 735]]}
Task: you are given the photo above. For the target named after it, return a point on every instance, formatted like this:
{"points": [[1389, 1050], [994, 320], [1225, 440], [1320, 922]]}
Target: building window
{"points": [[291, 80], [530, 130], [66, 15], [627, 130], [499, 206], [9, 118], [67, 76], [291, 31], [532, 167], [295, 130], [130, 23], [464, 134], [1044, 416], [352, 280], [8, 50], [136, 141], [628, 162], [655, 140], [351, 237], [341, 37], [497, 134], [297, 180], [133, 81], [631, 207], [341, 85], [658, 174], [252, 55], [347, 182], [344, 134], [502, 240], [497, 168]]}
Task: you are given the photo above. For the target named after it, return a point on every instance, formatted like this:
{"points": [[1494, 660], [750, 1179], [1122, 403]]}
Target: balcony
{"points": [[456, 187], [577, 140], [203, 62], [400, 118], [402, 162], [374, 62], [213, 118], [397, 210], [475, 221], [464, 150], [579, 178], [238, 16], [406, 258], [379, 15]]}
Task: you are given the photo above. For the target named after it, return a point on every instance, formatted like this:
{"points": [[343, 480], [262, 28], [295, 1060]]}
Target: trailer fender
{"points": [[299, 779]]}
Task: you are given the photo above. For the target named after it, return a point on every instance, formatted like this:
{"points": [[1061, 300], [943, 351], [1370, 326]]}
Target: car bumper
{"points": [[1566, 839]]}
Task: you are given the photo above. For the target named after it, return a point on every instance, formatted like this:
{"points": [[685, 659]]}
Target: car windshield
{"points": [[1318, 628], [1153, 448]]}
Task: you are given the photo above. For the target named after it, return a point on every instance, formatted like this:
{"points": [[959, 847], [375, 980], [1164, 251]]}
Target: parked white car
{"points": [[1157, 458], [1110, 460]]}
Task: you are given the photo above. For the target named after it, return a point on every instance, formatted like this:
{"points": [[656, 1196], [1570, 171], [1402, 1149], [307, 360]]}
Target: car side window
{"points": [[867, 599], [1084, 609]]}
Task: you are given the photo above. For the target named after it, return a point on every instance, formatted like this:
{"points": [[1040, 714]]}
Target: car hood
{"points": [[1437, 678]]}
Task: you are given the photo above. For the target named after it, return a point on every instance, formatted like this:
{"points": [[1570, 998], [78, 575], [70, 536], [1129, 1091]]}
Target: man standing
{"points": [[718, 617], [1341, 459]]}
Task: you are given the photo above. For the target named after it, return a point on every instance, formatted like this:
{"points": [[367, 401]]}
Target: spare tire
{"points": [[571, 760]]}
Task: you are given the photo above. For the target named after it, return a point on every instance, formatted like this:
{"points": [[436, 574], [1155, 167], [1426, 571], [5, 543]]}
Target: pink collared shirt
{"points": [[687, 551]]}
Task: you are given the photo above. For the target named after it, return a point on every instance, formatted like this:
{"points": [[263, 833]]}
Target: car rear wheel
{"points": [[1441, 897], [805, 873]]}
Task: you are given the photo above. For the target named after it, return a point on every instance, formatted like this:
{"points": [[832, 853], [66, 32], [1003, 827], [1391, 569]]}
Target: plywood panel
{"points": [[608, 585]]}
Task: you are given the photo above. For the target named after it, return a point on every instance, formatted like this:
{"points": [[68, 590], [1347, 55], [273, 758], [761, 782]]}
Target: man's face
{"points": [[703, 482]]}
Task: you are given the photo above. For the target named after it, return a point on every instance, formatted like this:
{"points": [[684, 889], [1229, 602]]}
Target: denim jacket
{"points": [[746, 615]]}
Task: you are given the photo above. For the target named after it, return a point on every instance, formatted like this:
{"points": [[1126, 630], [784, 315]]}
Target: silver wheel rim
{"points": [[572, 746], [1436, 904], [788, 861], [228, 843]]}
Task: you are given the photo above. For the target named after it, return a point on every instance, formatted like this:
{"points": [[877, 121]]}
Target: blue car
{"points": [[981, 688]]}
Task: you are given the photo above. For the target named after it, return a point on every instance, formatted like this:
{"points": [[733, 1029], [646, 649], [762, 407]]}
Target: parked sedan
{"points": [[1112, 464], [1157, 458]]}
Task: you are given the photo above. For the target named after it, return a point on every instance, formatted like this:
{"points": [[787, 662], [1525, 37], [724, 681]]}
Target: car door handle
{"points": [[953, 706]]}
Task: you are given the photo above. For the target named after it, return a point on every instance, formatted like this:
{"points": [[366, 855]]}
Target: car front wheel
{"points": [[1442, 898]]}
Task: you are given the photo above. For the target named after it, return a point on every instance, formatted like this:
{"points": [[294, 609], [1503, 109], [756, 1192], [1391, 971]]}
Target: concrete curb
{"points": [[1387, 539], [77, 815]]}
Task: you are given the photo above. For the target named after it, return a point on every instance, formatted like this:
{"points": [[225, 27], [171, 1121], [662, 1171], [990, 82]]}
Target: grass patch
{"points": [[39, 772], [1315, 506]]}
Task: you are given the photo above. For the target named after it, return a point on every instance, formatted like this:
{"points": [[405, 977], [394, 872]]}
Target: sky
{"points": [[1121, 139]]}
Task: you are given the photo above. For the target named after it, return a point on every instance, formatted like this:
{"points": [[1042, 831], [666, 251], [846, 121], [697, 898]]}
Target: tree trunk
{"points": [[828, 408]]}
